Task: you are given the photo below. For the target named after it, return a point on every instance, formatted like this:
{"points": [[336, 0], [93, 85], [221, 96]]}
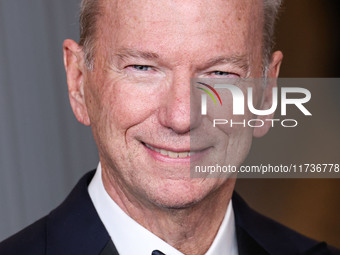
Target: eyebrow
{"points": [[240, 61], [128, 53]]}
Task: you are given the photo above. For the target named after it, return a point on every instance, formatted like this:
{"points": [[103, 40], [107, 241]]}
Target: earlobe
{"points": [[74, 66]]}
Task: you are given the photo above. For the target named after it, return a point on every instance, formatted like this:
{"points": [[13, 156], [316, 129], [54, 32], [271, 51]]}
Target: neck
{"points": [[190, 230]]}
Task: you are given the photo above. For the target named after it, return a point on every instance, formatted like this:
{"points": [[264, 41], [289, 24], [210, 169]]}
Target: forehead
{"points": [[168, 25], [162, 9]]}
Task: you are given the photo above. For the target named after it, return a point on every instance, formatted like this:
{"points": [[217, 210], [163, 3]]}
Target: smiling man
{"points": [[129, 79]]}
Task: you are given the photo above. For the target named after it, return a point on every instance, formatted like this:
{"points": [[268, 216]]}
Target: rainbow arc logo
{"points": [[209, 93]]}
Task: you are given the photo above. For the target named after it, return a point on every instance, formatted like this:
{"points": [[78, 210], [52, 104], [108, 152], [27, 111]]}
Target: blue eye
{"points": [[221, 73], [141, 67]]}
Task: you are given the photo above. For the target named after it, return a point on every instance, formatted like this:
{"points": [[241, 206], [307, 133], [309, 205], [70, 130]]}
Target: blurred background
{"points": [[308, 35], [44, 151]]}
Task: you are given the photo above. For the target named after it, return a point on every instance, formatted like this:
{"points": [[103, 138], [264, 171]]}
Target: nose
{"points": [[176, 112]]}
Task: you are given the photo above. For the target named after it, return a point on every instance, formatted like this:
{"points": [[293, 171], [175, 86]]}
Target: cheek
{"points": [[232, 117], [233, 131], [125, 105]]}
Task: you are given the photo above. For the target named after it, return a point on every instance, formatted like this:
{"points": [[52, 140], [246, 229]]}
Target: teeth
{"points": [[183, 154], [171, 154]]}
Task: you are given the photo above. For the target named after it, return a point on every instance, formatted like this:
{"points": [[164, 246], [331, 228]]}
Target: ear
{"points": [[74, 66], [267, 100], [274, 66]]}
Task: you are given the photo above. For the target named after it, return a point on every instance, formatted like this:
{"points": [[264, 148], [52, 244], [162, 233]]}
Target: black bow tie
{"points": [[157, 252]]}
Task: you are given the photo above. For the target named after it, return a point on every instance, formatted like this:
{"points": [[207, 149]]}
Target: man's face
{"points": [[138, 95]]}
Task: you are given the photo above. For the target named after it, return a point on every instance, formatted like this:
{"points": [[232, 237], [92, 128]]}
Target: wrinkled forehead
{"points": [[236, 13], [186, 31]]}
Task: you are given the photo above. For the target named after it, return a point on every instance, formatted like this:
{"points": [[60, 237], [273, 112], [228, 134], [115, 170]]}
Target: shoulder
{"points": [[31, 240], [274, 237], [72, 228]]}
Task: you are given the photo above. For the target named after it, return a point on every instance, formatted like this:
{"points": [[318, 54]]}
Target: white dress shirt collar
{"points": [[130, 237]]}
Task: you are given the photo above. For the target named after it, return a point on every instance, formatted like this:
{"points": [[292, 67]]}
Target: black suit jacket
{"points": [[74, 228]]}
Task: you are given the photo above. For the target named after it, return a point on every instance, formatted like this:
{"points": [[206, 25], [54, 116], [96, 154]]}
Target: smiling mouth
{"points": [[171, 154]]}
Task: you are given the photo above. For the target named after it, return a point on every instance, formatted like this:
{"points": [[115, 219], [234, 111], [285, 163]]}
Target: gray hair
{"points": [[91, 9], [89, 12], [270, 10]]}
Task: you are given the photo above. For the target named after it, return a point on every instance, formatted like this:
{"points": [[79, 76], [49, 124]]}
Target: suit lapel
{"points": [[75, 227], [109, 249], [255, 233], [248, 245]]}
